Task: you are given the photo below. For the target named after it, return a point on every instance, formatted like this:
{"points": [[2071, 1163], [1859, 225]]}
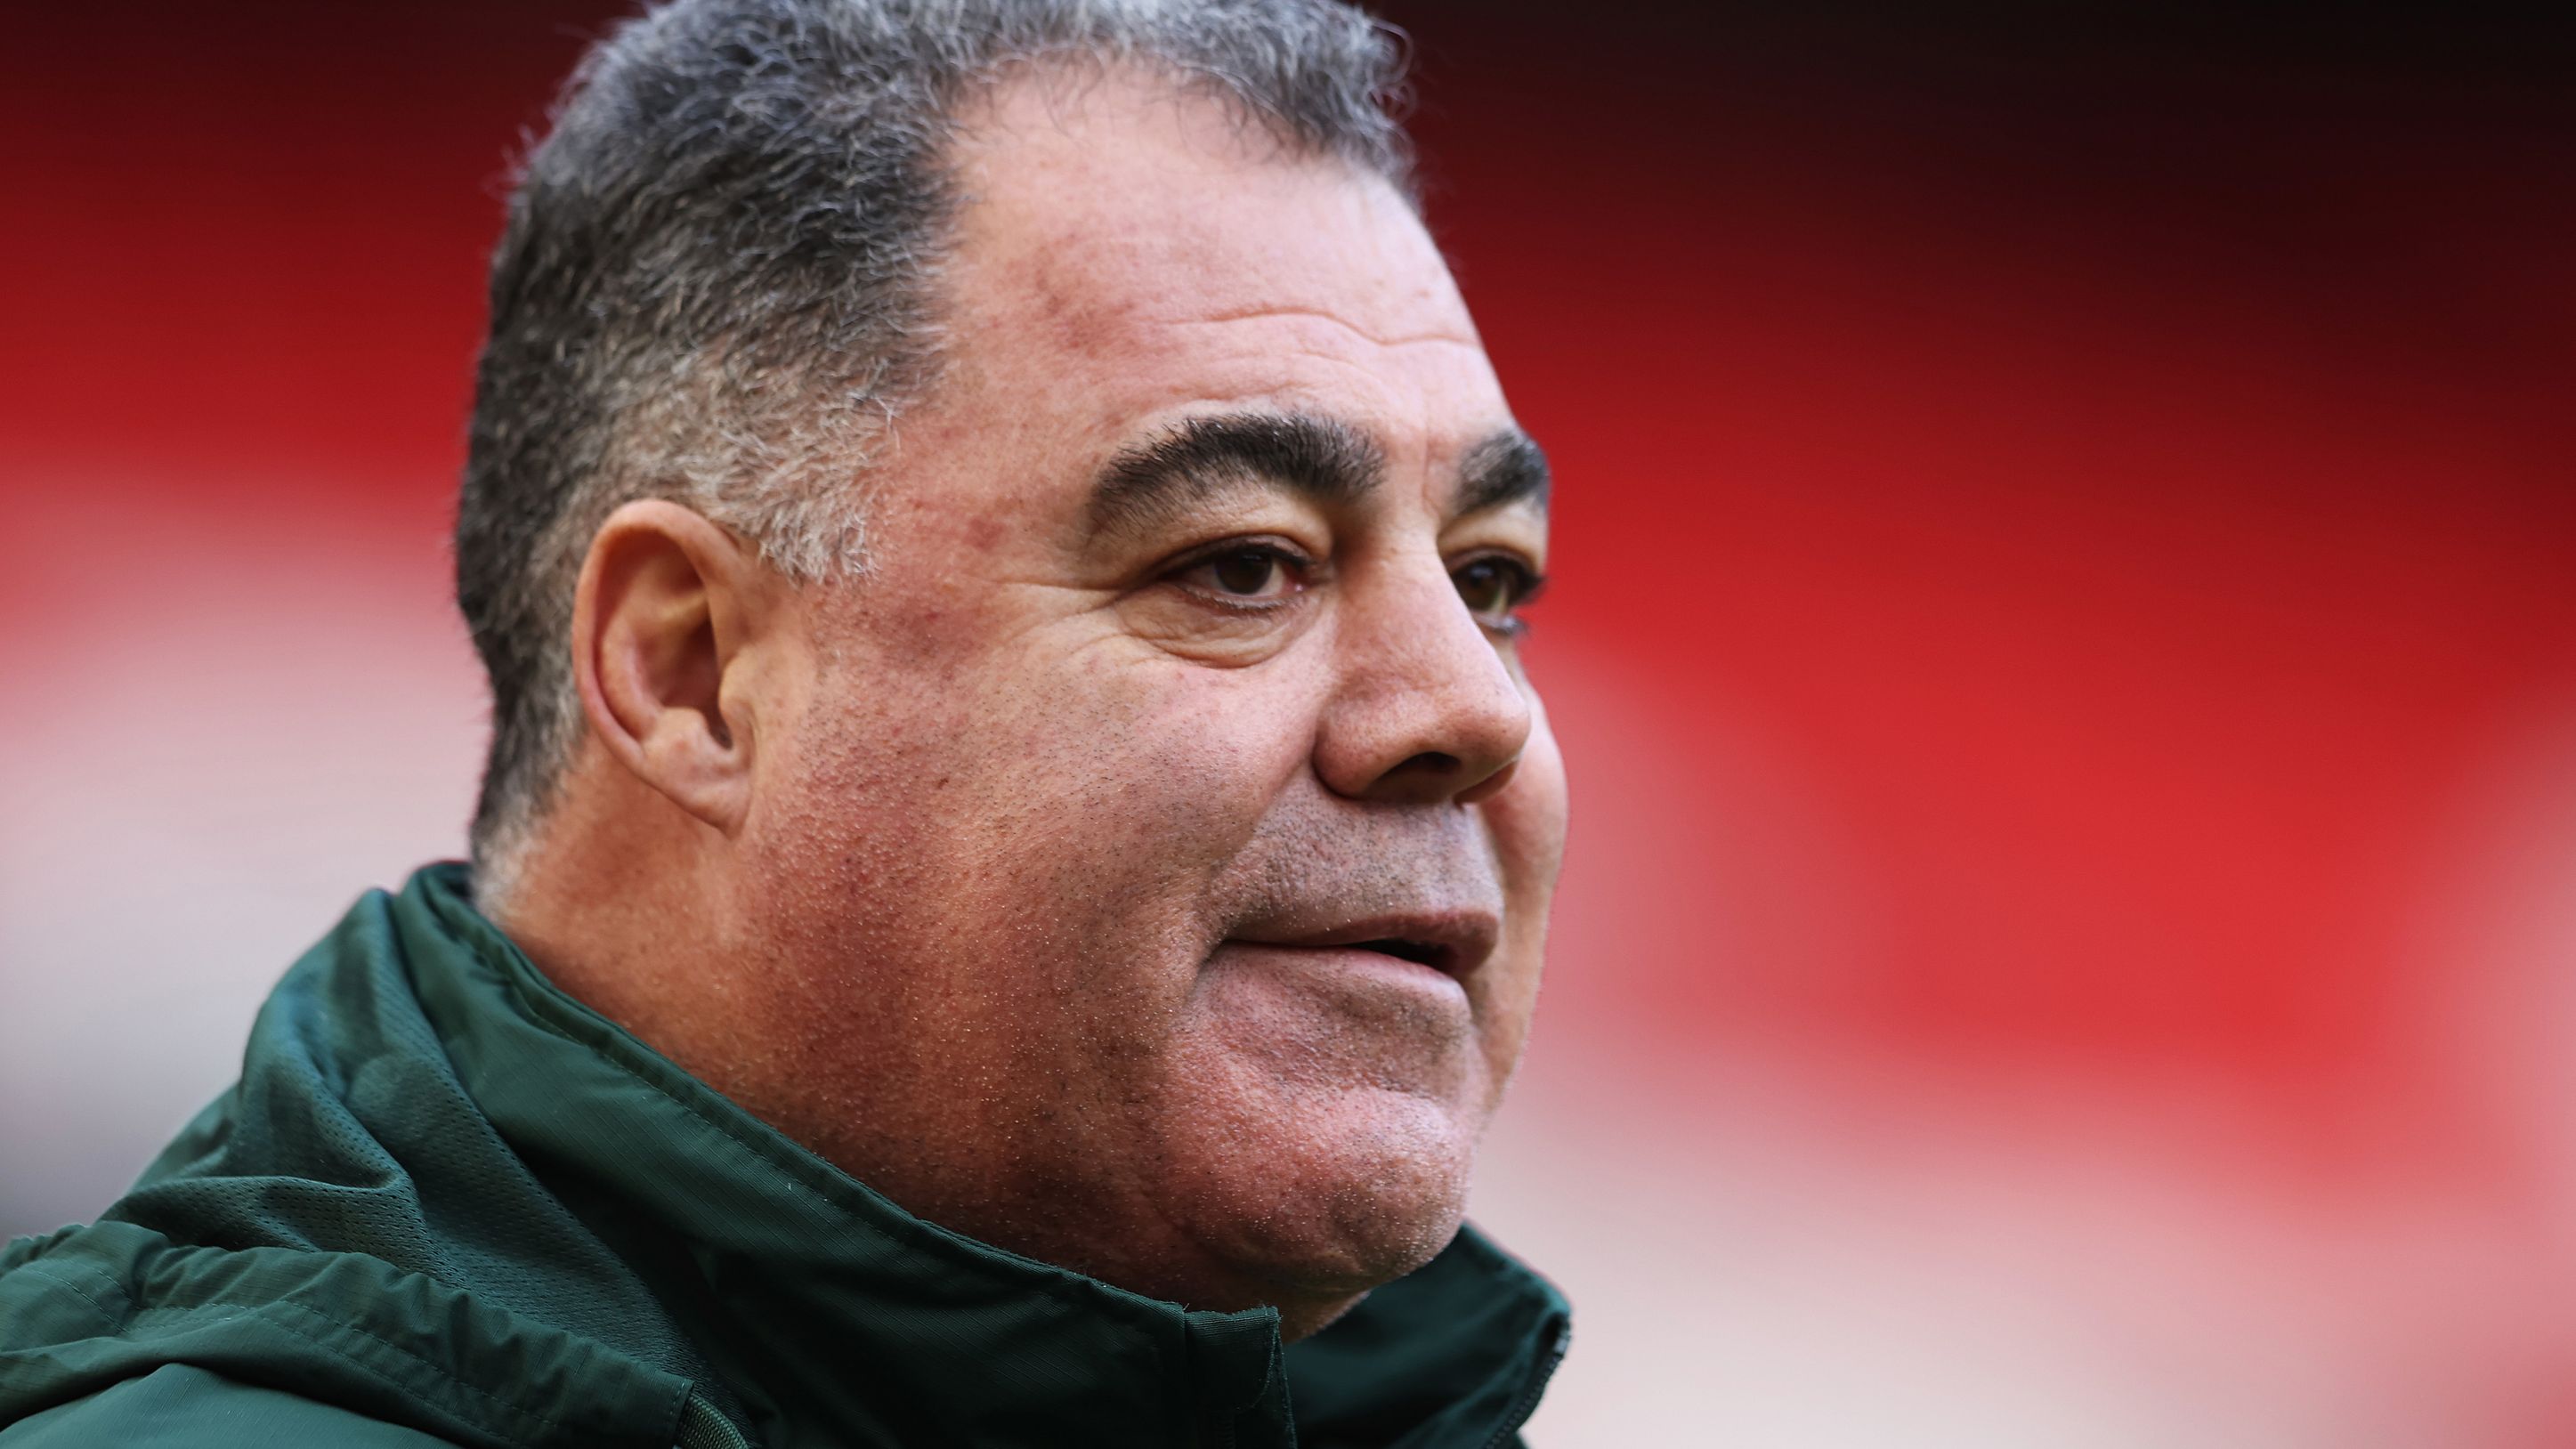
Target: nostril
{"points": [[1432, 762], [1490, 786]]}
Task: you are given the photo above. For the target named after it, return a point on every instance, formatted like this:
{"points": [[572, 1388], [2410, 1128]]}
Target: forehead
{"points": [[1126, 254]]}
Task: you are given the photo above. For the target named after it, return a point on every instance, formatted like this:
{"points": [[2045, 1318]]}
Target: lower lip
{"points": [[1354, 962]]}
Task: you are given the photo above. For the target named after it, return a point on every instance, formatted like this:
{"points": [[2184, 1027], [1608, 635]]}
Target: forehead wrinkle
{"points": [[1323, 459], [1317, 314]]}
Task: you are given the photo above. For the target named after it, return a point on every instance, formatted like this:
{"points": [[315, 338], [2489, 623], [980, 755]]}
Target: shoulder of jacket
{"points": [[179, 1406]]}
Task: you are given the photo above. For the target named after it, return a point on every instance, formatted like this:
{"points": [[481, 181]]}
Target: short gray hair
{"points": [[715, 284]]}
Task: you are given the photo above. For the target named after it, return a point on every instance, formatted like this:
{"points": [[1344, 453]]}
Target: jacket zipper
{"points": [[1527, 1403]]}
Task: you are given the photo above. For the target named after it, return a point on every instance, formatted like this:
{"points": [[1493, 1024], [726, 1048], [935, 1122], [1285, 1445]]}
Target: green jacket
{"points": [[448, 1204]]}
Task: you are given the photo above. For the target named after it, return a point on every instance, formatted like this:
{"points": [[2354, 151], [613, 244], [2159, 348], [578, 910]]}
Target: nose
{"points": [[1426, 710]]}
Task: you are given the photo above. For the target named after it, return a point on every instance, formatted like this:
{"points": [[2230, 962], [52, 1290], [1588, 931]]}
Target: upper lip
{"points": [[1452, 941]]}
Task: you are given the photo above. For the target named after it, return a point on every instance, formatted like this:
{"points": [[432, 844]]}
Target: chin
{"points": [[1324, 1198]]}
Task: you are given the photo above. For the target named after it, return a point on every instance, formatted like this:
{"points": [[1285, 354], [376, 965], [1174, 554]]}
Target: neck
{"points": [[618, 898]]}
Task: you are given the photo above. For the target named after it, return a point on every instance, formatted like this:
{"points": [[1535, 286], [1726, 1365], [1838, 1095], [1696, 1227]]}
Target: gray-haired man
{"points": [[1017, 846]]}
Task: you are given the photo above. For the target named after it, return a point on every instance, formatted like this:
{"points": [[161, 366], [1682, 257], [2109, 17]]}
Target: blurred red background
{"points": [[2063, 627]]}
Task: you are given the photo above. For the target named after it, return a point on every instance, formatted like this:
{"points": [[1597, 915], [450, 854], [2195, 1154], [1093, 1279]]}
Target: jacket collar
{"points": [[833, 1316]]}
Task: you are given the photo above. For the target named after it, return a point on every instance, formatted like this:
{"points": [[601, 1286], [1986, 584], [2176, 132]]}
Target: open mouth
{"points": [[1421, 953]]}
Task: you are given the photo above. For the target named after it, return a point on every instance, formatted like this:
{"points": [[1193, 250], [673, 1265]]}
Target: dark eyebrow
{"points": [[1504, 469], [1321, 458]]}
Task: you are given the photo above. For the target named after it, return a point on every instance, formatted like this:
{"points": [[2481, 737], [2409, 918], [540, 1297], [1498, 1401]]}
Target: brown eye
{"points": [[1246, 574], [1492, 587]]}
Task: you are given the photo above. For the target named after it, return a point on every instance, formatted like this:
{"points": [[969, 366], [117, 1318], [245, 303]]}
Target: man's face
{"points": [[1157, 870]]}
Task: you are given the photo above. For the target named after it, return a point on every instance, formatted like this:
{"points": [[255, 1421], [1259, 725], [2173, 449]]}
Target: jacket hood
{"points": [[447, 1195]]}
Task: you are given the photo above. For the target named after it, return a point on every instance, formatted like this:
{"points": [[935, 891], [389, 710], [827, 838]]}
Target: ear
{"points": [[667, 606]]}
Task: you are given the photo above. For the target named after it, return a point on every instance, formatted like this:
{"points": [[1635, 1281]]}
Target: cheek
{"points": [[1160, 759], [1060, 805], [1527, 823], [1033, 871]]}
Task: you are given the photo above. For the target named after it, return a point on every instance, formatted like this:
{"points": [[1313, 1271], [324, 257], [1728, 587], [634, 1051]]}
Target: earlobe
{"points": [[662, 615]]}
